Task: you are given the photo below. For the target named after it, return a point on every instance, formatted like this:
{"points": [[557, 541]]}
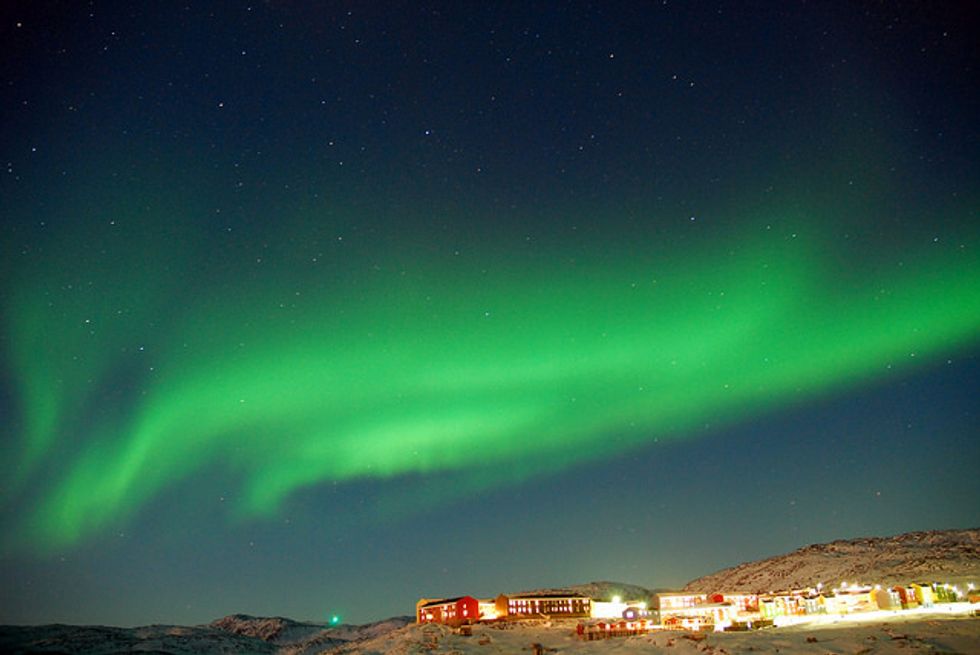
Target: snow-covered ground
{"points": [[103, 640], [947, 629], [943, 631], [237, 633]]}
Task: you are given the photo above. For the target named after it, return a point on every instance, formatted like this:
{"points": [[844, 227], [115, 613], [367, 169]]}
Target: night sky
{"points": [[317, 308]]}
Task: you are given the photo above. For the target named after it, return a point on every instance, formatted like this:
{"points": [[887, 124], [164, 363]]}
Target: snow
{"points": [[237, 633], [944, 629], [102, 640], [951, 556], [304, 638], [275, 629], [939, 631]]}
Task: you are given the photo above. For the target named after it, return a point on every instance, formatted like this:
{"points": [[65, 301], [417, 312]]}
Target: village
{"points": [[692, 611]]}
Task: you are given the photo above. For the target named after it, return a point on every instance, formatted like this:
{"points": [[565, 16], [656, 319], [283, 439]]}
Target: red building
{"points": [[464, 609]]}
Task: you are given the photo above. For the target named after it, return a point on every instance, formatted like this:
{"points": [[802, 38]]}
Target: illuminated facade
{"points": [[673, 600], [694, 610], [783, 603], [855, 598], [617, 608], [820, 604], [571, 606], [488, 609], [907, 596], [464, 609], [742, 602], [887, 599], [945, 593], [706, 616], [923, 594]]}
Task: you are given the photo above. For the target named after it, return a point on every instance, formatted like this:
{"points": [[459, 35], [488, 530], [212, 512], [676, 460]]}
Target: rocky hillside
{"points": [[238, 633], [299, 638], [103, 640], [944, 556], [274, 629]]}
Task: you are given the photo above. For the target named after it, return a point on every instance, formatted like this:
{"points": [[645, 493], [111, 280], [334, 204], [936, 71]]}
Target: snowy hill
{"points": [[103, 640], [941, 556], [299, 638], [237, 633], [275, 629]]}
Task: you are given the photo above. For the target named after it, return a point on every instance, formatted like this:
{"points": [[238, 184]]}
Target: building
{"points": [[855, 598], [820, 604], [923, 594], [887, 599], [671, 600], [743, 602], [538, 606], [464, 609], [780, 604], [692, 611], [619, 609], [488, 609], [907, 596], [945, 593], [707, 616]]}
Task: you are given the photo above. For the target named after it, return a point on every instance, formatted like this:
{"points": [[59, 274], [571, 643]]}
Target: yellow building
{"points": [[923, 594]]}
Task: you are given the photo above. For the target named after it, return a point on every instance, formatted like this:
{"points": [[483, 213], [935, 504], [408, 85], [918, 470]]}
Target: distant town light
{"points": [[617, 599]]}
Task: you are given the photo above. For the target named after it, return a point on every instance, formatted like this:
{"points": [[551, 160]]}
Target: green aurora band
{"points": [[498, 365]]}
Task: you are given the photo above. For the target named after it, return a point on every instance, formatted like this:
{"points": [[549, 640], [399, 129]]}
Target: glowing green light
{"points": [[334, 619], [499, 368]]}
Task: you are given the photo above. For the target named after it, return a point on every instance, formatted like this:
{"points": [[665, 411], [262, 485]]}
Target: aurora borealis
{"points": [[452, 369], [326, 280]]}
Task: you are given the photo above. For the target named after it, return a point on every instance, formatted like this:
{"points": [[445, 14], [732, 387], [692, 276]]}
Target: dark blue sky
{"points": [[406, 236]]}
